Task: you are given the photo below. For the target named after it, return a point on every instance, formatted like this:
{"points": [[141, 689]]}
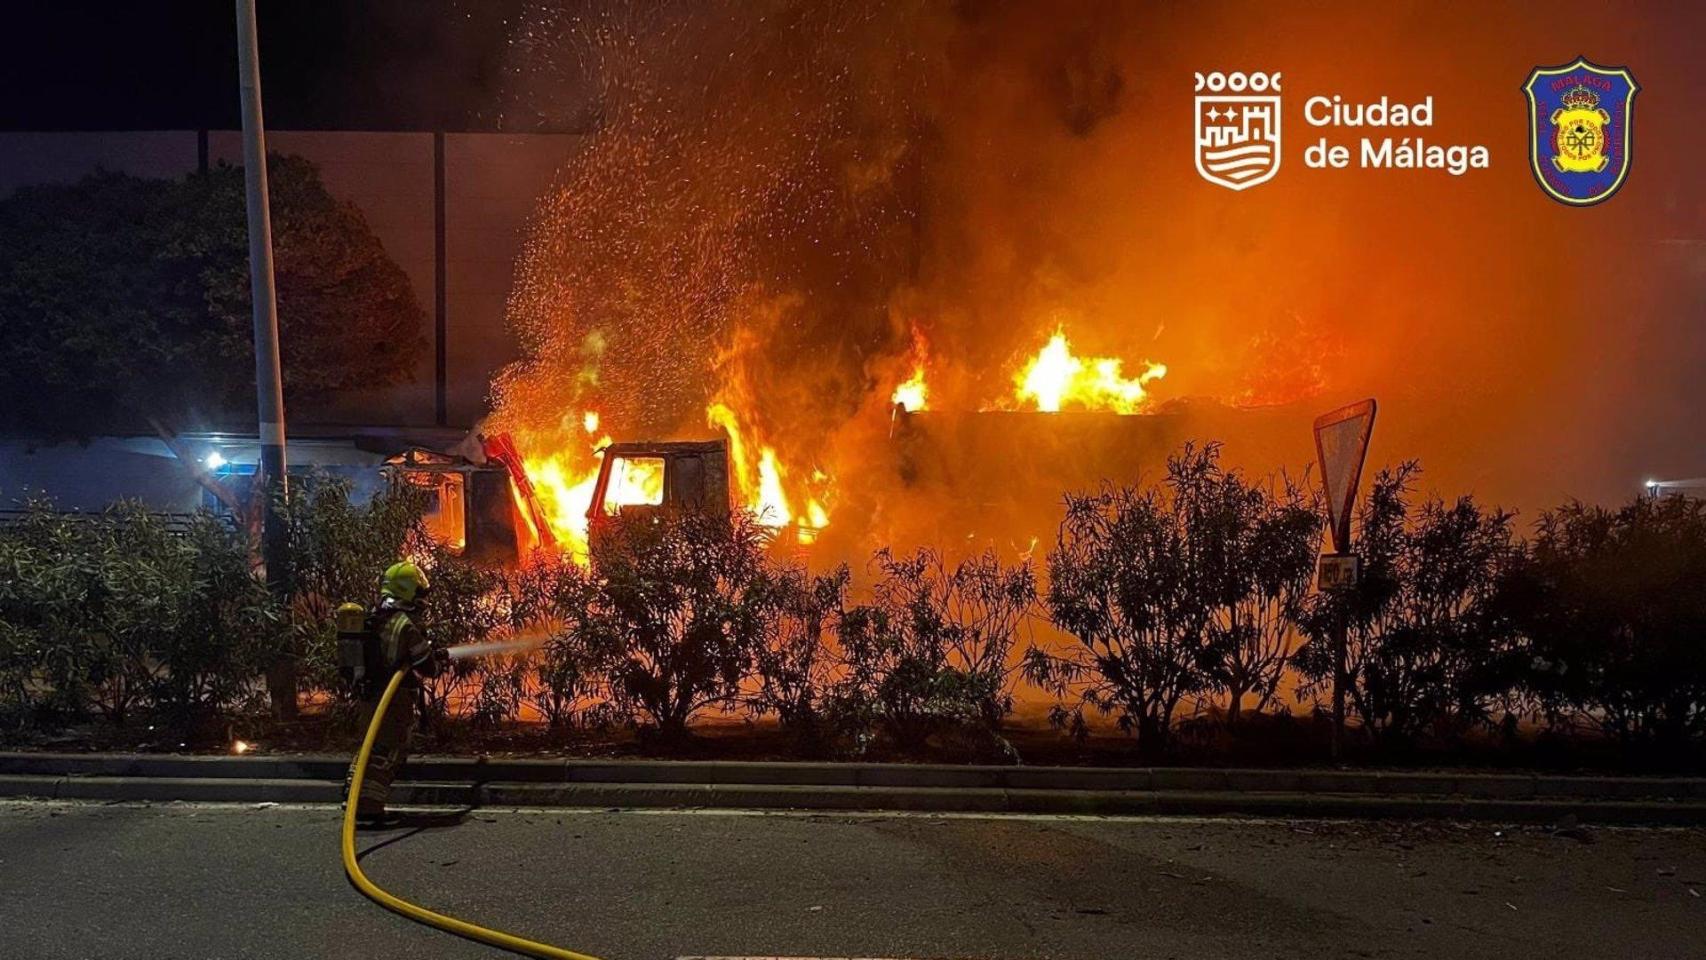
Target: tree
{"points": [[1427, 646], [124, 299]]}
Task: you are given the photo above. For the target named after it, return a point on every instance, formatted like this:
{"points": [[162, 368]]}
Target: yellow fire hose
{"points": [[462, 928]]}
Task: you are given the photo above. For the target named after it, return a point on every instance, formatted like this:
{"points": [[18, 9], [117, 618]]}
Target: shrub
{"points": [[1613, 604], [115, 612], [679, 614], [226, 631], [551, 599], [796, 664], [1427, 647], [1256, 548], [51, 597], [1128, 578], [930, 651], [467, 605], [338, 549]]}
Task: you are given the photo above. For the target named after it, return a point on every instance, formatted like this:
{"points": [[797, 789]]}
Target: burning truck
{"points": [[975, 479]]}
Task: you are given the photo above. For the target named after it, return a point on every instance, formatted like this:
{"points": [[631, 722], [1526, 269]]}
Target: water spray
{"points": [[463, 651]]}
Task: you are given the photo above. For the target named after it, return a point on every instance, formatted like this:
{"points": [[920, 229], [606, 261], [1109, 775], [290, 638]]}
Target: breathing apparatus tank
{"points": [[358, 649]]}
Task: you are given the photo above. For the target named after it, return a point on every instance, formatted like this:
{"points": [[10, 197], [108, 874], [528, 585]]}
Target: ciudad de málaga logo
{"points": [[1580, 117]]}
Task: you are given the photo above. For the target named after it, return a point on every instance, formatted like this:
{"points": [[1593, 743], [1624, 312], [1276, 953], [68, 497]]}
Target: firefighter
{"points": [[393, 629]]}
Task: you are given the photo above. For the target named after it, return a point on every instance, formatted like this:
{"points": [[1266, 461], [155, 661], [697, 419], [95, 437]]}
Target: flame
{"points": [[1055, 379], [914, 394], [565, 490], [637, 481], [762, 479], [772, 507], [564, 473]]}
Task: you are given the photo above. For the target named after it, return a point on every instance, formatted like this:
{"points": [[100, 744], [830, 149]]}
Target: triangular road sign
{"points": [[1341, 443]]}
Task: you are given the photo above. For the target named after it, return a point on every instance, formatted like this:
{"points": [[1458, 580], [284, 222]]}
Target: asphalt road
{"points": [[207, 881]]}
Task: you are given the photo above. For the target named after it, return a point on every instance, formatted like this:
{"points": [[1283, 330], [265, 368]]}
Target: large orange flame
{"points": [[564, 472], [762, 480], [1054, 380]]}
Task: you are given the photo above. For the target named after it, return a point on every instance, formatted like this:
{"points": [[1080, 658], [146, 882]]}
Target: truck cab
{"points": [[688, 476]]}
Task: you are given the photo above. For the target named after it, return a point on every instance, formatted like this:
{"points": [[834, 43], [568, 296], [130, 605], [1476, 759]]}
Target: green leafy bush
{"points": [[679, 613], [338, 548], [929, 653], [115, 612], [796, 663]]}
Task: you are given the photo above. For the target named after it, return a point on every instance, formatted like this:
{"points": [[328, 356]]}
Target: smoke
{"points": [[779, 193]]}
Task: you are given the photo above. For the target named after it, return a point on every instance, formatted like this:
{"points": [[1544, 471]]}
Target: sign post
{"points": [[1341, 445]]}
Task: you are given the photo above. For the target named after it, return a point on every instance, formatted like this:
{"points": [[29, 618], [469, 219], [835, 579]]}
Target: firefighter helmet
{"points": [[404, 582]]}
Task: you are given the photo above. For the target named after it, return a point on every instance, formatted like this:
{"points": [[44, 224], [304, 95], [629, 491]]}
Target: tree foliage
{"points": [[123, 298]]}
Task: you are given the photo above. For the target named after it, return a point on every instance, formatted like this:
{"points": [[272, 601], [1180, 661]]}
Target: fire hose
{"points": [[395, 904]]}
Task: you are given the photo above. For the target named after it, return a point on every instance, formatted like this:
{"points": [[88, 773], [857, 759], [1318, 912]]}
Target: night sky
{"points": [[327, 64]]}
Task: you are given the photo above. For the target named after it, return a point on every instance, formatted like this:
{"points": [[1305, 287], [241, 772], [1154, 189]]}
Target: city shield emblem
{"points": [[1238, 128], [1581, 121]]}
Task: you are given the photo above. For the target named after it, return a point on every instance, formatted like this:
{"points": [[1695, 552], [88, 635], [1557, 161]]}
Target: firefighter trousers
{"points": [[390, 748]]}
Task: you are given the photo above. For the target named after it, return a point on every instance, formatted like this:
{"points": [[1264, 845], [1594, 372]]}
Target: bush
{"points": [[115, 612], [1613, 604], [1427, 645], [338, 549], [551, 600], [1256, 546], [796, 664], [1131, 578], [929, 653], [468, 604], [679, 615]]}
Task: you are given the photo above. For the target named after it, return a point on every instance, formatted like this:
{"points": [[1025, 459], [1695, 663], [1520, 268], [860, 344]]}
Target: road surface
{"points": [[131, 881]]}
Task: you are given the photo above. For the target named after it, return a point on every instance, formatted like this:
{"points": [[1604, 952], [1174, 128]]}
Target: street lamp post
{"points": [[271, 482]]}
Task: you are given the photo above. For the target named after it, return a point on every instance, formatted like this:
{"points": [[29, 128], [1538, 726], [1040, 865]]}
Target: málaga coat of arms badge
{"points": [[1238, 128], [1580, 129]]}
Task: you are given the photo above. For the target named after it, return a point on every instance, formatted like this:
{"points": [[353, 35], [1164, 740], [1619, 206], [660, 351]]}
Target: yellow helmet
{"points": [[403, 582]]}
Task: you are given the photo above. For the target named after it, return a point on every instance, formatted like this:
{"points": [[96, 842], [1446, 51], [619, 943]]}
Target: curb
{"points": [[448, 781], [325, 767], [847, 799]]}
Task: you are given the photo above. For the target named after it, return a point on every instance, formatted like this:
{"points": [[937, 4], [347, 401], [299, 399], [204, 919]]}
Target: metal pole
{"points": [[1339, 632], [440, 309], [269, 386]]}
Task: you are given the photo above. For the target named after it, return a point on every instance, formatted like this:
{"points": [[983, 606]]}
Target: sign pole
{"points": [[1341, 445]]}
